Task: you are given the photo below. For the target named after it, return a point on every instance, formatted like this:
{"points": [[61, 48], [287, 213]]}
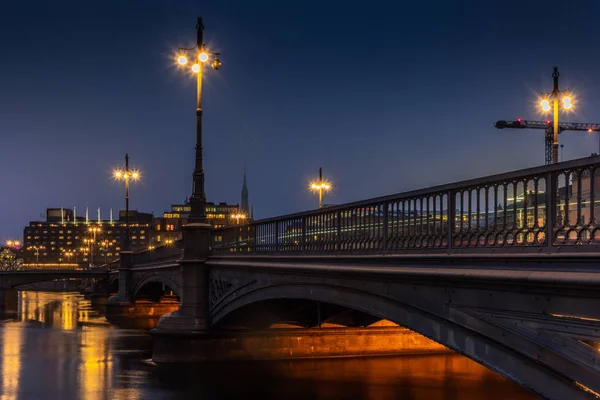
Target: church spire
{"points": [[244, 208]]}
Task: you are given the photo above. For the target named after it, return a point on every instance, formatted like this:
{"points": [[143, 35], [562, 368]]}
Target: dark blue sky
{"points": [[385, 96]]}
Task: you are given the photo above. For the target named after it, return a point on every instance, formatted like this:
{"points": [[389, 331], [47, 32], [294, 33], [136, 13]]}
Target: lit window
{"points": [[142, 231], [158, 227], [68, 231], [134, 237], [142, 237], [118, 248]]}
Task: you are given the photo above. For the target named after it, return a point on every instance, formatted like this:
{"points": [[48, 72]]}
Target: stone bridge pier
{"points": [[141, 295]]}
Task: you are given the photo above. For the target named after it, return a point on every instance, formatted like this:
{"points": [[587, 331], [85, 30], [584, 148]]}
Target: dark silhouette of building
{"points": [[245, 206]]}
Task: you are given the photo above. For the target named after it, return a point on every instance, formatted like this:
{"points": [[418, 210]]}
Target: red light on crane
{"points": [[519, 120], [547, 122]]}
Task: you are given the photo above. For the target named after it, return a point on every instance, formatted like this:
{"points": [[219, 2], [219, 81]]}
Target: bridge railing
{"points": [[537, 208], [158, 254]]}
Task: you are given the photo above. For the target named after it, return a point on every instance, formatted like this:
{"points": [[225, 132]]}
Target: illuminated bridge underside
{"points": [[529, 326]]}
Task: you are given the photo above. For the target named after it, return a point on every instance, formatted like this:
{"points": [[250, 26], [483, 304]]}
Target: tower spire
{"points": [[244, 208]]}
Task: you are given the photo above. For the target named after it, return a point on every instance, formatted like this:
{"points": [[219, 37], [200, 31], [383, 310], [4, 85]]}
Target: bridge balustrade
{"points": [[158, 254], [537, 208]]}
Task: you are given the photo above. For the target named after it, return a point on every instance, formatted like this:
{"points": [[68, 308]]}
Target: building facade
{"points": [[63, 240], [167, 228]]}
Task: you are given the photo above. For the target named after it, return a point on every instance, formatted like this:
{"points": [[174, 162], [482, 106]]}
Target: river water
{"points": [[59, 348]]}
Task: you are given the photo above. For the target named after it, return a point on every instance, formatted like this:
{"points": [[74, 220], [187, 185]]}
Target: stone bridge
{"points": [[502, 269]]}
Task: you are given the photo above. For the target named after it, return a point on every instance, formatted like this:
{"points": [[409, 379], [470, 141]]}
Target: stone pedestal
{"points": [[177, 331], [192, 316], [124, 295]]}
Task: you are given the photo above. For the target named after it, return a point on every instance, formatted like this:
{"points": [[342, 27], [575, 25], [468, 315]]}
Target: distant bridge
{"points": [[503, 269], [11, 279]]}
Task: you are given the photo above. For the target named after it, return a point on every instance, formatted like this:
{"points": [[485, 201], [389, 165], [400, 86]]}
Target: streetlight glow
{"points": [[182, 60], [238, 217], [196, 68], [567, 102], [135, 175], [545, 103], [203, 57], [320, 186], [118, 174]]}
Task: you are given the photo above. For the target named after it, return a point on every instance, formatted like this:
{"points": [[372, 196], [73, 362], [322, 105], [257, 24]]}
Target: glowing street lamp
{"points": [[37, 249], [93, 230], [320, 186], [567, 103], [200, 56], [127, 175], [237, 217], [15, 244]]}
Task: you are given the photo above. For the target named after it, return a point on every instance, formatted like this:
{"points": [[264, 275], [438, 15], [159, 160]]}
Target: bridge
{"points": [[502, 269], [12, 279]]}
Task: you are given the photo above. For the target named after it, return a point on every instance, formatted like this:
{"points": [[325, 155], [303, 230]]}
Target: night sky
{"points": [[385, 96]]}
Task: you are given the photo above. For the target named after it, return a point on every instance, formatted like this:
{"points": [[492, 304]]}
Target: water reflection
{"points": [[58, 347]]}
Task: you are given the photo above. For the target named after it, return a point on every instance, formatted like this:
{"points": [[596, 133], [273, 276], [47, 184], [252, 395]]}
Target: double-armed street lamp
{"points": [[37, 249], [13, 244], [126, 175], [320, 186], [567, 103], [238, 217], [93, 230], [198, 56]]}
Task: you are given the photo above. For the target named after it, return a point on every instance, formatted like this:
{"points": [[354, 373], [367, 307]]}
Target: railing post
{"points": [[451, 217], [303, 227], [276, 236], [385, 226], [338, 229], [237, 239], [551, 194]]}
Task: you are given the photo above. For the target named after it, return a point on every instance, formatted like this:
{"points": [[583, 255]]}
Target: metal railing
{"points": [[146, 256], [540, 208]]}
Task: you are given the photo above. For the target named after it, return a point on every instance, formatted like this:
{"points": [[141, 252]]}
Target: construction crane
{"points": [[548, 127]]}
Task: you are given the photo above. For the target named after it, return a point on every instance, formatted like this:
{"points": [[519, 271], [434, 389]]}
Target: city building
{"points": [[64, 240], [168, 227]]}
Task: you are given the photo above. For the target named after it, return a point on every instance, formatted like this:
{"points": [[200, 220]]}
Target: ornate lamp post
{"points": [[93, 230], [193, 315], [201, 56], [126, 175], [320, 186], [567, 101]]}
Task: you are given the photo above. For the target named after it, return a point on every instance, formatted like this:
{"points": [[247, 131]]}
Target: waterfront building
{"points": [[63, 240]]}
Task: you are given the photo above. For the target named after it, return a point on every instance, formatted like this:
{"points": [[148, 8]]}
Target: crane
{"points": [[548, 127]]}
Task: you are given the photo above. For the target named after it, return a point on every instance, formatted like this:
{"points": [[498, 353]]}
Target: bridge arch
{"points": [[155, 278], [496, 356]]}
